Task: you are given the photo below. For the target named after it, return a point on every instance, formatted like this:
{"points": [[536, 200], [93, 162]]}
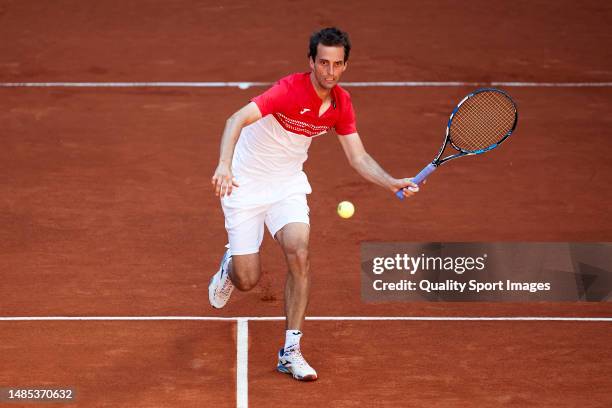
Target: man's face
{"points": [[328, 65]]}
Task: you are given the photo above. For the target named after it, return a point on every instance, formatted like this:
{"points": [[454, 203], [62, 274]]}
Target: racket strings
{"points": [[482, 120]]}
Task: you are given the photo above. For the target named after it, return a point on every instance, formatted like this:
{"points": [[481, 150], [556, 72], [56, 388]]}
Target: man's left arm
{"points": [[369, 169]]}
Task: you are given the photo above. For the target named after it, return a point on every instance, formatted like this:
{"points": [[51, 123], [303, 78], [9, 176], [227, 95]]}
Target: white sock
{"points": [[292, 338]]}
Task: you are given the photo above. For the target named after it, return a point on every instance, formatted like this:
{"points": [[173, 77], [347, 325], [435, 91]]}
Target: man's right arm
{"points": [[223, 180]]}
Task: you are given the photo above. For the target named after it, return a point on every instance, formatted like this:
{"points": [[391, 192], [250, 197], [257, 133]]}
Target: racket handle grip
{"points": [[418, 179]]}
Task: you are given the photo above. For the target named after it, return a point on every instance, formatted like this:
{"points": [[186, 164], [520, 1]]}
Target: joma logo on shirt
{"points": [[303, 111]]}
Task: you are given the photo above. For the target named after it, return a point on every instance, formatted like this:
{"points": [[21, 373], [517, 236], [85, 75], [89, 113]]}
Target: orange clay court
{"points": [[109, 230]]}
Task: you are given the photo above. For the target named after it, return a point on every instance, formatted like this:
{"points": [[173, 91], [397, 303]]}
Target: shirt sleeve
{"points": [[274, 99], [346, 124]]}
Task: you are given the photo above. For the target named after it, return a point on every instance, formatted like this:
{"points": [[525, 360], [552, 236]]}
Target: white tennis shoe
{"points": [[221, 287], [292, 362]]}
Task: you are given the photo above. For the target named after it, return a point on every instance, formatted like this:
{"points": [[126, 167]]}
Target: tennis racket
{"points": [[479, 123]]}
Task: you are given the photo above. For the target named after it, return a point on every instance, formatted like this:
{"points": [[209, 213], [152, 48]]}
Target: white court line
{"points": [[242, 331], [116, 318], [246, 85], [242, 363], [315, 318]]}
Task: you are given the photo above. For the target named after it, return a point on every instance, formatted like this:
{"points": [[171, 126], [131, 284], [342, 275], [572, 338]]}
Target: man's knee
{"points": [[298, 255], [244, 283], [245, 277]]}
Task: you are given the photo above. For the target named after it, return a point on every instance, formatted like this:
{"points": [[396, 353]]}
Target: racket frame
{"points": [[431, 167]]}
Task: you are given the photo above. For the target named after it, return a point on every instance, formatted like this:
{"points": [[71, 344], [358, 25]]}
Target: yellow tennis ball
{"points": [[346, 209]]}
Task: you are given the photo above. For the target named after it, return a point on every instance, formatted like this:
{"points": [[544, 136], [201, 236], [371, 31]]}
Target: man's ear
{"points": [[311, 62]]}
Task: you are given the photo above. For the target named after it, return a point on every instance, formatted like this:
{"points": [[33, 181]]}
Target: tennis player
{"points": [[259, 180]]}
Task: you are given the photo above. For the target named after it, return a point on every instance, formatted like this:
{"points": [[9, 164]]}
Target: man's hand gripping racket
{"points": [[479, 123]]}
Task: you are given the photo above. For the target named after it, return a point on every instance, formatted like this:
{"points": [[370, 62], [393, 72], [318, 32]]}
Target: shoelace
{"points": [[297, 358], [227, 287]]}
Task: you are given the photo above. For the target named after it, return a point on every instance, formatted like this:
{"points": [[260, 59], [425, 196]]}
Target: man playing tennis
{"points": [[260, 180]]}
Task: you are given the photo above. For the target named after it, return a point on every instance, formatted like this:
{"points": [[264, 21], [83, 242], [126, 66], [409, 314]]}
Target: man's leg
{"points": [[240, 271], [240, 265], [245, 271], [293, 239]]}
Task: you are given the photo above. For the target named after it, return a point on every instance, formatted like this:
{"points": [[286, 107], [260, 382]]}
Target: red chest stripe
{"points": [[299, 127]]}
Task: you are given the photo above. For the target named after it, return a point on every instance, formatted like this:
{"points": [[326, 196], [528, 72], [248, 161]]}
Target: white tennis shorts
{"points": [[256, 202]]}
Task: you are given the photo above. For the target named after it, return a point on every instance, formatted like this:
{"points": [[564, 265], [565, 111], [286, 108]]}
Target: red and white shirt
{"points": [[277, 145]]}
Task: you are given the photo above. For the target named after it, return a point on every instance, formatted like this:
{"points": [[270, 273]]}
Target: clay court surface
{"points": [[106, 208]]}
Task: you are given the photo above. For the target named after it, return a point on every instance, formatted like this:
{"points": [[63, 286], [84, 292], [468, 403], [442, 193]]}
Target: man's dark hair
{"points": [[330, 37]]}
